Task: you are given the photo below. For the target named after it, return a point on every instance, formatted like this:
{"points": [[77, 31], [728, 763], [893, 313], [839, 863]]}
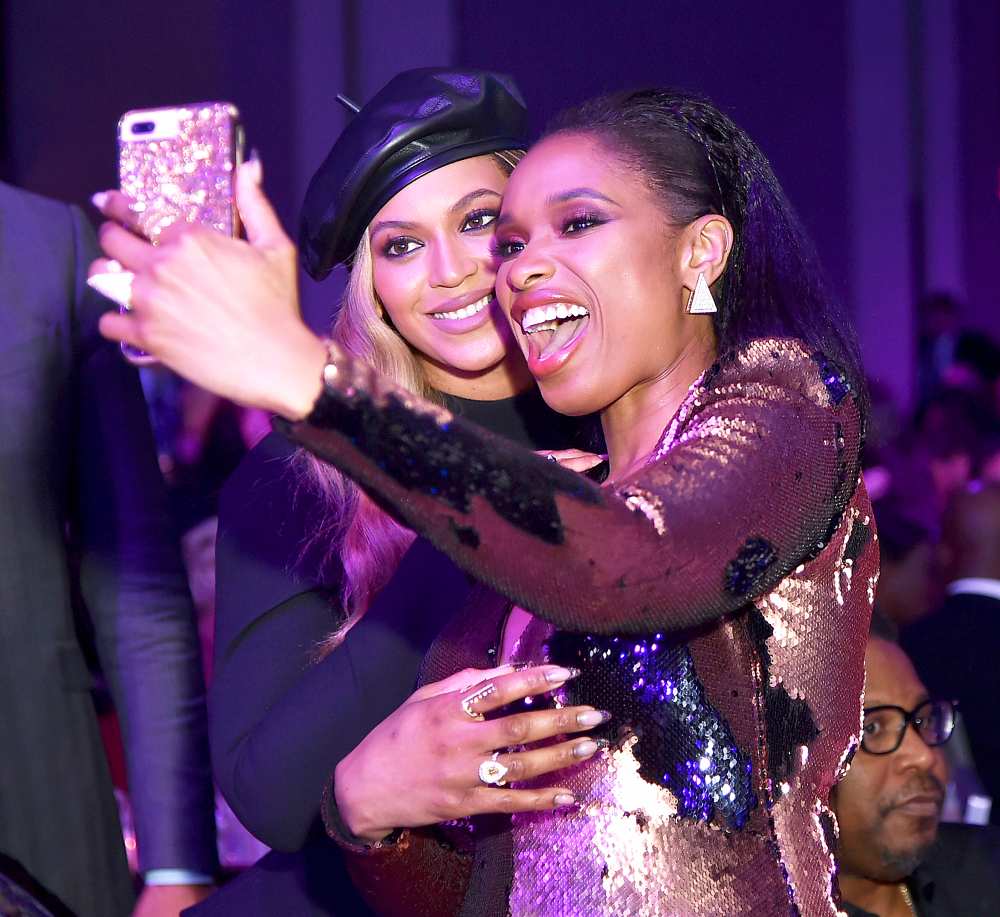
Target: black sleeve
{"points": [[281, 721], [135, 588]]}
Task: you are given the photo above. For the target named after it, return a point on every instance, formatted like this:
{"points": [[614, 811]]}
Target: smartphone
{"points": [[180, 163]]}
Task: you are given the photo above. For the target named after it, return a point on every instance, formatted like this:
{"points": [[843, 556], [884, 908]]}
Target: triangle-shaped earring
{"points": [[701, 301]]}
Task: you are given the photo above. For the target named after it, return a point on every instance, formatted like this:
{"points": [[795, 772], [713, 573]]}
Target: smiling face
{"points": [[593, 275], [434, 271], [889, 806]]}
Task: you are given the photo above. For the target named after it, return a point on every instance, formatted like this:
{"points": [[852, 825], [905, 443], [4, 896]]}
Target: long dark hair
{"points": [[697, 161]]}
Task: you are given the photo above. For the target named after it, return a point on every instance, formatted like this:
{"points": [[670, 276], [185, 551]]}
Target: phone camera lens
{"points": [[143, 127]]}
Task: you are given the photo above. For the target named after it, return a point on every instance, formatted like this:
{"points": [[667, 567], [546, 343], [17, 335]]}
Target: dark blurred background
{"points": [[882, 119]]}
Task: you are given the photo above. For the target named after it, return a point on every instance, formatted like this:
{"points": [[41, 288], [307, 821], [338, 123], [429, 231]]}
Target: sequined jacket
{"points": [[717, 602]]}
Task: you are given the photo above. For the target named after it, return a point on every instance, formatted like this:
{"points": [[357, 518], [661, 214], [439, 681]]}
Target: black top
{"points": [[280, 722], [959, 878]]}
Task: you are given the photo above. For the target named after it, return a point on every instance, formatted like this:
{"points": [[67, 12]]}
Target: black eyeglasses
{"points": [[885, 726]]}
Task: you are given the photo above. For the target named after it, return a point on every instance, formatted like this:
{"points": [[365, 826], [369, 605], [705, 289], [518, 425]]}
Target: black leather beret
{"points": [[421, 120]]}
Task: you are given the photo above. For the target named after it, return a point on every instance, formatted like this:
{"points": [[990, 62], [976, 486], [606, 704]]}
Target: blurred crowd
{"points": [[934, 477]]}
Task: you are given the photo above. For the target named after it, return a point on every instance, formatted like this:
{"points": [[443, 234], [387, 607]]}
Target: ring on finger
{"points": [[492, 772], [115, 283], [477, 695], [552, 458]]}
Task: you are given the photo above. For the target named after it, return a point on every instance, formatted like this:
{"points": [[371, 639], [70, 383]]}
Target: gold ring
{"points": [[477, 695]]}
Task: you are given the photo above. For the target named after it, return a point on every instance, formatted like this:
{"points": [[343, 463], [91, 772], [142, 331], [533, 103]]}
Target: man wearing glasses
{"points": [[896, 859]]}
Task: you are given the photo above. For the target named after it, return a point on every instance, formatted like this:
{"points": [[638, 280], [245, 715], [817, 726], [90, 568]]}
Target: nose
{"points": [[528, 268], [915, 753], [451, 264]]}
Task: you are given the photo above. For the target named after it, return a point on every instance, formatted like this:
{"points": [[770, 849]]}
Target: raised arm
{"points": [[749, 479]]}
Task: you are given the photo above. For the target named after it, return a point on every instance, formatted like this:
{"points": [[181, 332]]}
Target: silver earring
{"points": [[701, 301]]}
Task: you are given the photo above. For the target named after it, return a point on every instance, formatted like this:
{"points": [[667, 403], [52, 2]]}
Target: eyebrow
{"points": [[472, 196], [573, 193], [457, 207], [923, 700], [560, 197]]}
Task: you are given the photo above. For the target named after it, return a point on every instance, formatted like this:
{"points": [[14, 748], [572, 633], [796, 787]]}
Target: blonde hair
{"points": [[368, 541]]}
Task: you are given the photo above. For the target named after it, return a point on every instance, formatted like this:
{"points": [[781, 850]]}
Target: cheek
{"points": [[505, 295], [480, 247], [399, 289], [858, 797]]}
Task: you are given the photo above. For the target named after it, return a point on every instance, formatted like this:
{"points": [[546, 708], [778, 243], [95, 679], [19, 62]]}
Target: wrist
{"points": [[301, 384], [354, 812]]}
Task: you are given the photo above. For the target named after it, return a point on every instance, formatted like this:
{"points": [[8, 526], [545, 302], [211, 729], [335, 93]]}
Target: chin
{"points": [[573, 401], [899, 860], [477, 362]]}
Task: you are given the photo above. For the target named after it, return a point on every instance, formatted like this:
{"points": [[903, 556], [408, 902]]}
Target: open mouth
{"points": [[466, 311], [553, 328]]}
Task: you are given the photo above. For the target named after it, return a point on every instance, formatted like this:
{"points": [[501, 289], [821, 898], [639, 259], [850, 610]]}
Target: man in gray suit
{"points": [[78, 477]]}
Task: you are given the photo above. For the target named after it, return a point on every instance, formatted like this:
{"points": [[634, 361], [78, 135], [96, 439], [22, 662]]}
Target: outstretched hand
{"points": [[222, 312]]}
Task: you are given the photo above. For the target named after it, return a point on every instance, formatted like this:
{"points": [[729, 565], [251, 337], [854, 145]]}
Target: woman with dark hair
{"points": [[714, 594]]}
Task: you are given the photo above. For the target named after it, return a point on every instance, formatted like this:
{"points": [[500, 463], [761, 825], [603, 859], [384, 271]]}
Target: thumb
{"points": [[261, 222]]}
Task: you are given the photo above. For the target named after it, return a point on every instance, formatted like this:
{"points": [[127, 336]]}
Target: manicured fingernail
{"points": [[254, 168], [593, 717], [99, 199], [584, 749], [564, 799], [555, 676]]}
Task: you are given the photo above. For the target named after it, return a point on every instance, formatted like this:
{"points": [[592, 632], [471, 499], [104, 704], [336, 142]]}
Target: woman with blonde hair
{"points": [[406, 199]]}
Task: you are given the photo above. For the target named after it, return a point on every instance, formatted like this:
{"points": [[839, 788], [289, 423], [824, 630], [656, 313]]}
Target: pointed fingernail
{"points": [[585, 748], [593, 717], [564, 799], [555, 676], [99, 200]]}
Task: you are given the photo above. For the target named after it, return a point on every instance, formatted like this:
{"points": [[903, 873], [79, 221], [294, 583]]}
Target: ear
{"points": [[707, 243]]}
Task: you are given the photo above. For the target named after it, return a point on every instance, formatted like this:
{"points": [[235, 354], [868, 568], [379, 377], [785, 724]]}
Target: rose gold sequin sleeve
{"points": [[749, 480]]}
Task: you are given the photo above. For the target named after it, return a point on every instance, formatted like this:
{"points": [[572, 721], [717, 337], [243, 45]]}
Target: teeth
{"points": [[465, 311], [544, 318]]}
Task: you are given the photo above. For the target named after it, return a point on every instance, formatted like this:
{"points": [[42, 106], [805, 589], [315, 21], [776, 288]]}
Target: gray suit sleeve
{"points": [[134, 587]]}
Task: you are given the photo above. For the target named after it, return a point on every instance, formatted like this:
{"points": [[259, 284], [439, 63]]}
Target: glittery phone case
{"points": [[179, 163]]}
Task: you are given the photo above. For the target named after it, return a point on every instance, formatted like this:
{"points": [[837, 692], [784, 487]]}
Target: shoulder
{"points": [[267, 491], [42, 230], [17, 203], [782, 364], [966, 852], [270, 514], [267, 472]]}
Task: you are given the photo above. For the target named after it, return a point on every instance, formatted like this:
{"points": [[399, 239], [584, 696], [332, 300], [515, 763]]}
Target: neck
{"points": [[882, 898], [635, 422], [507, 378]]}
